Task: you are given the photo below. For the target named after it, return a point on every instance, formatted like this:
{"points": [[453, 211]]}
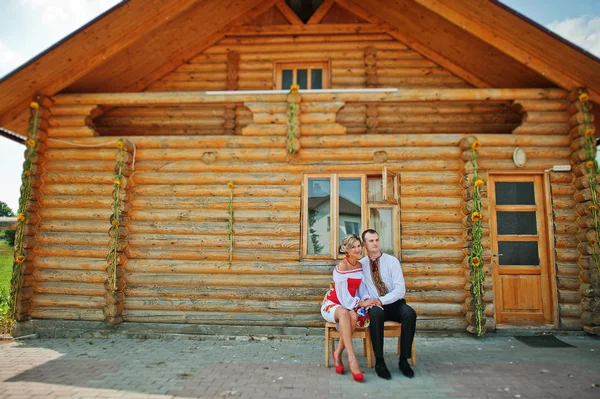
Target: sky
{"points": [[28, 27]]}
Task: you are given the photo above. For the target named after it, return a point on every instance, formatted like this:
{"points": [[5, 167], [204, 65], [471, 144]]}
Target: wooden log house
{"points": [[233, 193]]}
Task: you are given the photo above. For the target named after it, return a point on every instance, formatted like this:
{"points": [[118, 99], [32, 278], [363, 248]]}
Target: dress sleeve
{"points": [[341, 290]]}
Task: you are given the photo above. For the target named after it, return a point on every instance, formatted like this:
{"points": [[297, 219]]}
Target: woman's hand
{"points": [[369, 303]]}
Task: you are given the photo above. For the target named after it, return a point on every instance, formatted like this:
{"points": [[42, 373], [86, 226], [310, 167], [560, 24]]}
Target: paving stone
{"points": [[457, 367]]}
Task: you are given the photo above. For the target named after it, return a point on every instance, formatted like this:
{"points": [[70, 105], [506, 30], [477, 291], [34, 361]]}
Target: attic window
{"points": [[304, 9], [307, 75]]}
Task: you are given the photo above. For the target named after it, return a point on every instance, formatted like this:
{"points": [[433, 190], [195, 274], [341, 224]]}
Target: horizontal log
{"points": [[366, 154], [543, 105], [74, 225], [411, 270], [230, 293], [200, 243], [569, 310], [571, 323], [199, 215], [79, 189], [215, 228], [413, 140], [181, 203], [211, 179], [76, 214], [217, 255], [416, 203], [55, 275], [216, 75], [302, 47], [542, 128], [221, 190], [220, 318], [567, 296], [67, 314], [432, 243], [313, 38], [545, 117], [454, 216], [233, 280], [433, 256], [434, 229], [71, 131], [70, 288], [280, 306], [87, 238], [147, 98], [432, 190], [437, 309], [68, 301], [82, 201], [160, 122], [234, 268]]}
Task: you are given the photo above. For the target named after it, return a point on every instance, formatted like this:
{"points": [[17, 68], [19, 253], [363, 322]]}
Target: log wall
{"points": [[178, 267], [177, 247]]}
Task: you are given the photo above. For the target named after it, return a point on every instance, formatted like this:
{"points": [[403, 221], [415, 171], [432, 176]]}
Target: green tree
{"points": [[7, 235]]}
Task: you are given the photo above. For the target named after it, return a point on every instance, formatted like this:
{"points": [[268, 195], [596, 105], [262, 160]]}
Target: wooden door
{"points": [[520, 259]]}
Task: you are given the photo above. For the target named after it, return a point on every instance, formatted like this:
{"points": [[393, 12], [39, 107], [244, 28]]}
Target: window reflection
{"points": [[349, 208], [381, 220], [319, 216]]}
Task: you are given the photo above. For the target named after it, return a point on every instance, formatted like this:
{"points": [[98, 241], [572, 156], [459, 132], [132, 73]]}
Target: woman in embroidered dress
{"points": [[340, 303]]}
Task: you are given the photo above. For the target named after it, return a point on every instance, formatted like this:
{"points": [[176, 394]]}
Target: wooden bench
{"points": [[391, 329]]}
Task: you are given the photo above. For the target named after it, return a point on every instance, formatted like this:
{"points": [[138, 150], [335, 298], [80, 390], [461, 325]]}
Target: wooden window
{"points": [[307, 75], [335, 205]]}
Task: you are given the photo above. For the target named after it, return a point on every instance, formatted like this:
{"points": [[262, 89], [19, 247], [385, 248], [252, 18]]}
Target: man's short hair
{"points": [[368, 231]]}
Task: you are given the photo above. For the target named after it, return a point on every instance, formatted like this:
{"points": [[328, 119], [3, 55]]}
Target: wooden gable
{"points": [[135, 45]]}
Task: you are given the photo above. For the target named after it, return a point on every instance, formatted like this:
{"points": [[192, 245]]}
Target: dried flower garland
{"points": [[476, 256], [24, 201], [592, 167], [292, 113], [112, 257], [230, 222]]}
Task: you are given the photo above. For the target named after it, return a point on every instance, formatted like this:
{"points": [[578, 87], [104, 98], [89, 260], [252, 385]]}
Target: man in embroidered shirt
{"points": [[384, 282]]}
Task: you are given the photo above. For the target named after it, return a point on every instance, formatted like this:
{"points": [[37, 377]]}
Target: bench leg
{"points": [[369, 348], [413, 355], [326, 347]]}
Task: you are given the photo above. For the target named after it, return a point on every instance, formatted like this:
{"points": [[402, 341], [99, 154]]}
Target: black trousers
{"points": [[400, 312]]}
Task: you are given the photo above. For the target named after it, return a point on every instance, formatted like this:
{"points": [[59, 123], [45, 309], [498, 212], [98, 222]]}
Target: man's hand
{"points": [[370, 302]]}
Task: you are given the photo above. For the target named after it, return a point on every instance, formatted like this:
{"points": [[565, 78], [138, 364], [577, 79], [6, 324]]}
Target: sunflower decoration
{"points": [[476, 145], [294, 88], [475, 261], [478, 183], [476, 216]]}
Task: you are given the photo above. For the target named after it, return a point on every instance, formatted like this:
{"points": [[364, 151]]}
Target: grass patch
{"points": [[6, 256]]}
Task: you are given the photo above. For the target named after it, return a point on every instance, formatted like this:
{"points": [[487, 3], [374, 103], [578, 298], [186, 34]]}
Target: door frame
{"points": [[546, 193]]}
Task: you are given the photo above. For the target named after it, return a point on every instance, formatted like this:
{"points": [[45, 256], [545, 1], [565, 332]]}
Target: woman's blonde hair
{"points": [[348, 242]]}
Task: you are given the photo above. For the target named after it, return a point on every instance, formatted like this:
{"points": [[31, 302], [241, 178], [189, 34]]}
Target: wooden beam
{"points": [[286, 30], [288, 13], [320, 13], [524, 42], [83, 51], [365, 95]]}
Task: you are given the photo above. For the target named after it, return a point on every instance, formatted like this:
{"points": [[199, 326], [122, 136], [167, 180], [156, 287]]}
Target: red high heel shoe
{"points": [[358, 377], [338, 369]]}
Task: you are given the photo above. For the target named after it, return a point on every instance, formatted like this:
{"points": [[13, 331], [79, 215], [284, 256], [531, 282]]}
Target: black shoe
{"points": [[382, 371], [405, 368]]}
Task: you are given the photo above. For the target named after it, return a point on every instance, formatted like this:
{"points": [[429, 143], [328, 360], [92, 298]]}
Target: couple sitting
{"points": [[374, 283]]}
